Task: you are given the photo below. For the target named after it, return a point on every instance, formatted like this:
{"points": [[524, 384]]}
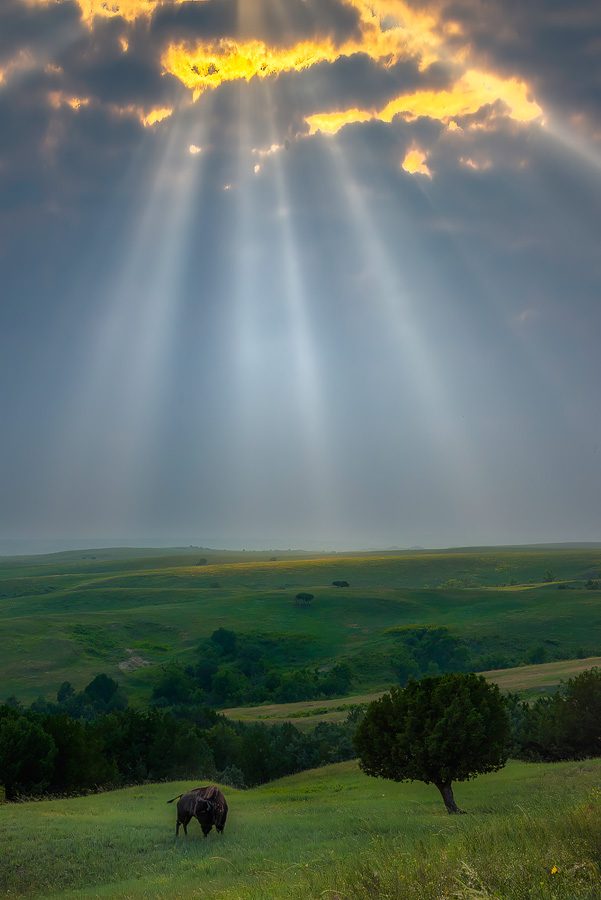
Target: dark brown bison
{"points": [[207, 804]]}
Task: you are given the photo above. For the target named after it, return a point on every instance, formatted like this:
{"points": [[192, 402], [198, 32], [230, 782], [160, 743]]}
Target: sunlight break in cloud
{"points": [[156, 115], [386, 41], [472, 91], [415, 163]]}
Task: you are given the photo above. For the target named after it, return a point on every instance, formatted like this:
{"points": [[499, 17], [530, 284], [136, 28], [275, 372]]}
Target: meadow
{"points": [[128, 613], [330, 832]]}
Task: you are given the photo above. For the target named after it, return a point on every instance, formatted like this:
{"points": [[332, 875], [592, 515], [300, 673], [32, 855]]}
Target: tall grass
{"points": [[547, 853]]}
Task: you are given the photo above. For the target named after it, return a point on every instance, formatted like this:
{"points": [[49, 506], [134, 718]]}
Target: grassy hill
{"points": [[331, 832], [126, 613]]}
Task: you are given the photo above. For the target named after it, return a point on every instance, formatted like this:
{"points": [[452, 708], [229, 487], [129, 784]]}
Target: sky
{"points": [[300, 273]]}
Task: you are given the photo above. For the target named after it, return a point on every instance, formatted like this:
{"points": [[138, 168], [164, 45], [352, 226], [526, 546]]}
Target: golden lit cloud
{"points": [[210, 65], [384, 23], [415, 163], [383, 37], [331, 123], [194, 150], [58, 99], [472, 91], [390, 31], [128, 9], [155, 115]]}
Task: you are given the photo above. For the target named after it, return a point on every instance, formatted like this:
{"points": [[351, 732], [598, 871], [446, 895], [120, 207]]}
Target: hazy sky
{"points": [[300, 272]]}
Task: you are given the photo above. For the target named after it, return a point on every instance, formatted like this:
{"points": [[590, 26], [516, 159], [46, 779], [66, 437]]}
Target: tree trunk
{"points": [[446, 791]]}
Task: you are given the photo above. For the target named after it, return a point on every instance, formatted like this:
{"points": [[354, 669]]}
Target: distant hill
{"points": [[73, 615]]}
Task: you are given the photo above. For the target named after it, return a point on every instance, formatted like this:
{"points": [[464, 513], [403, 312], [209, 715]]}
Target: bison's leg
{"points": [[177, 824]]}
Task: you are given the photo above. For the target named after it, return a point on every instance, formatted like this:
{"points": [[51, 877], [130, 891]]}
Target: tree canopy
{"points": [[438, 730]]}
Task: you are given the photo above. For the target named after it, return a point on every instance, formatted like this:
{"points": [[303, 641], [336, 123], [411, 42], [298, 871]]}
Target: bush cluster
{"points": [[562, 726], [234, 669]]}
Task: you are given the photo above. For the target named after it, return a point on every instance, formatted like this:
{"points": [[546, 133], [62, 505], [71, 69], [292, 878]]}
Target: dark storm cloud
{"points": [[556, 46], [214, 19], [55, 159], [37, 29], [354, 81], [97, 66]]}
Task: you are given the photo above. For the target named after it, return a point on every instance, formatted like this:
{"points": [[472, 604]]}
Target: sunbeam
{"points": [[130, 350], [309, 385], [394, 302]]}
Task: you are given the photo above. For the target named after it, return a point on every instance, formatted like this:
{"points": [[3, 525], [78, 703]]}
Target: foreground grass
{"points": [[328, 833]]}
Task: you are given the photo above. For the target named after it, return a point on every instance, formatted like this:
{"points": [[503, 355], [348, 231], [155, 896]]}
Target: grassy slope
{"points": [[526, 680], [330, 832], [71, 616]]}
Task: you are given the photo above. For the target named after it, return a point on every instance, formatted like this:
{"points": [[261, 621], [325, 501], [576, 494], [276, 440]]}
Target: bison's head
{"points": [[203, 806]]}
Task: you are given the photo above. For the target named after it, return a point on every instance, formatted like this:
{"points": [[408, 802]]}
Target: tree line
{"points": [[46, 749], [233, 669], [90, 739]]}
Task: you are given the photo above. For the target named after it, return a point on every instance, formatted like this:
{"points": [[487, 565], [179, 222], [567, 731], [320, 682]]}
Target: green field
{"points": [[528, 681], [126, 613], [331, 832]]}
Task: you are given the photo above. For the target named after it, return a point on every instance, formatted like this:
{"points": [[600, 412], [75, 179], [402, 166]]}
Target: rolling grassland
{"points": [[531, 830], [331, 832], [70, 616]]}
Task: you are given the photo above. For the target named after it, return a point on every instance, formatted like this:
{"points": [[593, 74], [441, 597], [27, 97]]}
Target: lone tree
{"points": [[303, 598], [437, 730]]}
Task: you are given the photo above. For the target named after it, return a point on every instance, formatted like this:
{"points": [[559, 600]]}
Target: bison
{"points": [[207, 804]]}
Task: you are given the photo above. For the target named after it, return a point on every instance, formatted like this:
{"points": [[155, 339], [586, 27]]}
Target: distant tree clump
{"points": [[429, 650], [27, 755], [537, 655], [65, 692], [564, 725], [102, 688], [304, 599], [439, 730], [340, 584], [225, 640]]}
